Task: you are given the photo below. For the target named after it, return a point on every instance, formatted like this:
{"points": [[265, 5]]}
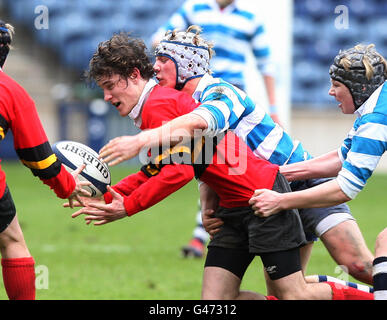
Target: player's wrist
{"points": [[273, 109]]}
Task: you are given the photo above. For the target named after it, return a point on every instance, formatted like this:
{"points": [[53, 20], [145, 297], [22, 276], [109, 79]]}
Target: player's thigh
{"points": [[345, 243], [7, 210], [219, 284], [381, 244], [223, 272], [305, 253], [347, 247]]}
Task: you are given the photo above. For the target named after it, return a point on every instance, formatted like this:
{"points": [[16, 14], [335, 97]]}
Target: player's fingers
{"points": [[214, 231], [85, 183], [216, 224], [76, 214], [84, 192], [102, 222], [79, 169], [100, 206], [71, 203], [113, 192], [116, 161], [75, 204], [79, 199], [87, 211], [110, 157], [93, 218], [108, 148], [97, 221], [105, 152]]}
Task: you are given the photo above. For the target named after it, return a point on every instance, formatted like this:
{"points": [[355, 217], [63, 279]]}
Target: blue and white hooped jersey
{"points": [[235, 31], [224, 107], [365, 143]]}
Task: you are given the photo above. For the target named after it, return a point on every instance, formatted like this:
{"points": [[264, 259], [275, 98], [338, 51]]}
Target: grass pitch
{"points": [[139, 257]]}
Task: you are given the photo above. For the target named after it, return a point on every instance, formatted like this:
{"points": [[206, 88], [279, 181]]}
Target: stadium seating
{"points": [[76, 27], [319, 34]]}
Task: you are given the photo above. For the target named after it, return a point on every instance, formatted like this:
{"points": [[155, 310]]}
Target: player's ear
{"points": [[136, 74]]}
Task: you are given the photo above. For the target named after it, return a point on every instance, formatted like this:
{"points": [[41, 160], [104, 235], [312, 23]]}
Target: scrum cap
{"points": [[190, 53], [361, 69]]}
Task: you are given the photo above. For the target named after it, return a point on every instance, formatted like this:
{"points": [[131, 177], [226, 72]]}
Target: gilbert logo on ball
{"points": [[73, 154]]}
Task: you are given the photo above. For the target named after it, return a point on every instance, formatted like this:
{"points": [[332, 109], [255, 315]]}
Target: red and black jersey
{"points": [[225, 163], [18, 114]]}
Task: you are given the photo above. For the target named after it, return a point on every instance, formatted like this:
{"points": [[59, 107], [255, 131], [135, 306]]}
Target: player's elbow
{"points": [[197, 124]]}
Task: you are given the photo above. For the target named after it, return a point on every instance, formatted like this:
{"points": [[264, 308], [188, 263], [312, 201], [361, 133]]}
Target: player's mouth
{"points": [[117, 104]]}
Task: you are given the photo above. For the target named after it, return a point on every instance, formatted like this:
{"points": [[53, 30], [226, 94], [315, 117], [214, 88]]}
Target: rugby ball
{"points": [[73, 154]]}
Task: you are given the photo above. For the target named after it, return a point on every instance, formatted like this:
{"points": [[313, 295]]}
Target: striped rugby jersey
{"points": [[224, 107], [235, 31], [365, 144]]}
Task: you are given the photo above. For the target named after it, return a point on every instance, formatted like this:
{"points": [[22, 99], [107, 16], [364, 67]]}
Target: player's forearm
{"points": [[270, 89], [174, 131], [324, 195], [208, 197], [325, 166]]}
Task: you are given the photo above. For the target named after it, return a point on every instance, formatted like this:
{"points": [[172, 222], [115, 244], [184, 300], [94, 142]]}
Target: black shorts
{"points": [[7, 210], [277, 264], [246, 231], [253, 235]]}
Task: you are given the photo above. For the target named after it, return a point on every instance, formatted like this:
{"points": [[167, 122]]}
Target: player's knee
{"points": [[11, 236], [220, 295]]}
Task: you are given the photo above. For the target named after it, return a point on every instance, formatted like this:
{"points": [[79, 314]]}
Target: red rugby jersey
{"points": [[18, 114], [232, 171]]}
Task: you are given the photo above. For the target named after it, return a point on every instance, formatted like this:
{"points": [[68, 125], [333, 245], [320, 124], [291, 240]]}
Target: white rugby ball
{"points": [[73, 154]]}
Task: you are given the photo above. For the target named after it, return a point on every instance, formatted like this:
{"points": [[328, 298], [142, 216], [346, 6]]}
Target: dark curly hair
{"points": [[120, 55]]}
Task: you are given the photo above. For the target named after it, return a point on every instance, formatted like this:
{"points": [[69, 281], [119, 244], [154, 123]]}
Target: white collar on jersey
{"points": [[135, 114], [369, 105], [204, 82]]}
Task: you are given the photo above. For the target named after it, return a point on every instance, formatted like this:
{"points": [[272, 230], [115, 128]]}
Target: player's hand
{"points": [[265, 202], [210, 223], [79, 191], [84, 202], [102, 213], [120, 149]]}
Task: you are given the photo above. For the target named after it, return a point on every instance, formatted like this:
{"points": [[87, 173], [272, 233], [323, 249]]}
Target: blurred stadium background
{"points": [[48, 60]]}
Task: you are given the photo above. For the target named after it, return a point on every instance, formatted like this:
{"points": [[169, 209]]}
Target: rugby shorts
{"points": [[317, 221], [244, 231], [7, 210]]}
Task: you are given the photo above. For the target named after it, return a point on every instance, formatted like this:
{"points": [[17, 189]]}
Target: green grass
{"points": [[139, 257]]}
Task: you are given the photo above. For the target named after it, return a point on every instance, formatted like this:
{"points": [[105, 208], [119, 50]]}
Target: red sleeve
{"points": [[152, 190], [127, 185], [63, 183], [18, 113]]}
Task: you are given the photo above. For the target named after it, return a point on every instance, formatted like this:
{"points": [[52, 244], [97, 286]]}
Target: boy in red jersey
{"points": [[18, 114], [122, 69]]}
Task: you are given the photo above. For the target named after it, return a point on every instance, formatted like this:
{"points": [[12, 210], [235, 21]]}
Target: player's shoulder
{"points": [[171, 98], [11, 86], [160, 92], [251, 9], [7, 81], [190, 5]]}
